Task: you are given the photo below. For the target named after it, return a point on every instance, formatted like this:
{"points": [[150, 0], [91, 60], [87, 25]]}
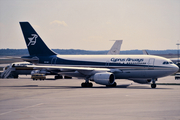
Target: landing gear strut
{"points": [[153, 85]]}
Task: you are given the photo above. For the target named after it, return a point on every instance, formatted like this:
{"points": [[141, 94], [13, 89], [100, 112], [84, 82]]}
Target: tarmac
{"points": [[64, 99]]}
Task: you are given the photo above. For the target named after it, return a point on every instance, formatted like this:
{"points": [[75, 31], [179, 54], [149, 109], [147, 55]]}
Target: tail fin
{"points": [[115, 49], [34, 43], [145, 52]]}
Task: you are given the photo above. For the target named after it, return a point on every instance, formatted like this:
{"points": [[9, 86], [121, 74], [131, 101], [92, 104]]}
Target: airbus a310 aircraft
{"points": [[101, 69]]}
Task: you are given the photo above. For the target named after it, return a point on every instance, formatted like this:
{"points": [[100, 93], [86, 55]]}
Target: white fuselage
{"points": [[122, 66]]}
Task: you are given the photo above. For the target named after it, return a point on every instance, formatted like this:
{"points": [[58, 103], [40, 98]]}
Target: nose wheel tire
{"points": [[153, 85]]}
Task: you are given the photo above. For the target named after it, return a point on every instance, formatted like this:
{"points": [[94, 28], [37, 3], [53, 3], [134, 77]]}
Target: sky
{"points": [[92, 24]]}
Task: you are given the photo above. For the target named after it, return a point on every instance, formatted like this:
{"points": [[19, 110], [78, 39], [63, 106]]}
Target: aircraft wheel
{"points": [[86, 85], [90, 85], [83, 84], [153, 85]]}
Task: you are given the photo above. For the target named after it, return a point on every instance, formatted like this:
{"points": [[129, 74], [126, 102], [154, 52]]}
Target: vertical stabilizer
{"points": [[35, 44], [115, 49], [145, 52]]}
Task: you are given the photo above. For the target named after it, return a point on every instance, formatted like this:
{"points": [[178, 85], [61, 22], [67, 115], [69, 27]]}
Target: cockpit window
{"points": [[166, 62]]}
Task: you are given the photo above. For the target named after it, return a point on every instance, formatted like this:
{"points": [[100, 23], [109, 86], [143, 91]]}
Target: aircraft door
{"points": [[53, 61], [151, 63], [107, 64]]}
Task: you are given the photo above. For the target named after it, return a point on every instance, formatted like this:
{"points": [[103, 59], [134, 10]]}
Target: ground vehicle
{"points": [[177, 76], [39, 76]]}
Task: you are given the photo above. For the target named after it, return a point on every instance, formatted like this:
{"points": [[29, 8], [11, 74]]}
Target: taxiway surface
{"points": [[25, 99]]}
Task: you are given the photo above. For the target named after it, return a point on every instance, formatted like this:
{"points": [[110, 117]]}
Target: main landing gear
{"points": [[87, 84], [153, 85]]}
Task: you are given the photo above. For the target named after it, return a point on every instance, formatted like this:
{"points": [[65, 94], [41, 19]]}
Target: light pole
{"points": [[178, 51]]}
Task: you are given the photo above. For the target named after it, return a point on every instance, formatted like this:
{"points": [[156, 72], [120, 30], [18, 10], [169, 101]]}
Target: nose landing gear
{"points": [[153, 85]]}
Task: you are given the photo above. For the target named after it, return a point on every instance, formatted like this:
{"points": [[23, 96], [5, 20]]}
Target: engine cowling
{"points": [[105, 78]]}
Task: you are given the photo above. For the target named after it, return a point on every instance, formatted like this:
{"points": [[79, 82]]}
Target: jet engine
{"points": [[105, 78]]}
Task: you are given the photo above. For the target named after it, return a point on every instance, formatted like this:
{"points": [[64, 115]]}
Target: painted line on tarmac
{"points": [[21, 108]]}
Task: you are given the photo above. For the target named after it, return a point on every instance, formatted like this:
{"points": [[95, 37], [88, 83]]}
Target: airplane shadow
{"points": [[127, 86]]}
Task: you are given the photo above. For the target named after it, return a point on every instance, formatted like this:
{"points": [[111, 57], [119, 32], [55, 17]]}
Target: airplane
{"points": [[101, 69]]}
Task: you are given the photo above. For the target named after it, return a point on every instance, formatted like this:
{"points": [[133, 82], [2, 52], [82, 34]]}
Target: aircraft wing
{"points": [[75, 71], [64, 69]]}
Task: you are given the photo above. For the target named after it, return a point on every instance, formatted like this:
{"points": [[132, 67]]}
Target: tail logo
{"points": [[32, 40]]}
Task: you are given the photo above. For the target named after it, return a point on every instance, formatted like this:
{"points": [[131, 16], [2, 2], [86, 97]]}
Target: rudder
{"points": [[34, 43]]}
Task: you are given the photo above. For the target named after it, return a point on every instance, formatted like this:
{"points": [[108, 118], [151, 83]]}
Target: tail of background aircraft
{"points": [[115, 49], [35, 45]]}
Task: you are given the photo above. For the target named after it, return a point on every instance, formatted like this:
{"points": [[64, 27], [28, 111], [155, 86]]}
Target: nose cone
{"points": [[175, 68]]}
